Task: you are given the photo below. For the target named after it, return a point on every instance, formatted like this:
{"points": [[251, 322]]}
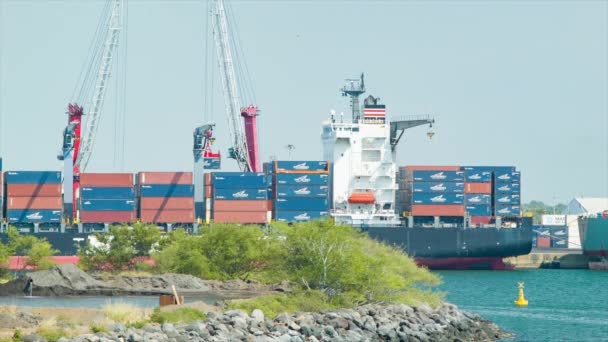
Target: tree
{"points": [[39, 254]]}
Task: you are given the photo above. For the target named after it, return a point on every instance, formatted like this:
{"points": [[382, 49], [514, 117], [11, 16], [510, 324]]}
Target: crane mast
{"points": [[244, 149]]}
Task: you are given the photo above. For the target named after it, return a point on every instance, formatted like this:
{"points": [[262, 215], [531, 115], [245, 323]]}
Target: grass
{"points": [[178, 315], [121, 312], [272, 305], [95, 328], [50, 331]]}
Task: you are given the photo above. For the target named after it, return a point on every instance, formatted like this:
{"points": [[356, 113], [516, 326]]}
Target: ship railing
{"points": [[411, 118]]}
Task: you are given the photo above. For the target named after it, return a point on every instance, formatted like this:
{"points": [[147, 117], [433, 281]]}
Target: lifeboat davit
{"points": [[362, 198]]}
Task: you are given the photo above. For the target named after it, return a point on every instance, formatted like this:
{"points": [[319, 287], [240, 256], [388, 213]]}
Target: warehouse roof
{"points": [[587, 205]]}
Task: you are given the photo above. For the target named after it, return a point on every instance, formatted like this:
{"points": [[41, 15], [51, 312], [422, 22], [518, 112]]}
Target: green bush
{"points": [[178, 315], [96, 328], [272, 305]]}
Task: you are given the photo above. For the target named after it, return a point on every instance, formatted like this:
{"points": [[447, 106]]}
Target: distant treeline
{"points": [[539, 208]]}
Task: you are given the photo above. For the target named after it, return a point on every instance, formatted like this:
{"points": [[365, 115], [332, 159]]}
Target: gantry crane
{"points": [[76, 153]]}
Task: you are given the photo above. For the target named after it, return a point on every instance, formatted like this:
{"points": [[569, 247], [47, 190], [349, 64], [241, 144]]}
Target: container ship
{"points": [[594, 234], [446, 217]]}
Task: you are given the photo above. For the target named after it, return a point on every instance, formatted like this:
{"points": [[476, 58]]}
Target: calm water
{"points": [[96, 302], [563, 305]]}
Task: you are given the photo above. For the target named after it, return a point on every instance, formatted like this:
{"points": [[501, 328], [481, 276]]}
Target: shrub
{"points": [[178, 315], [96, 328], [50, 331], [272, 305]]}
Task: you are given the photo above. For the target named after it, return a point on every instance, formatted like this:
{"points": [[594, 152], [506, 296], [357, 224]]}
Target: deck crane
{"points": [[75, 152]]}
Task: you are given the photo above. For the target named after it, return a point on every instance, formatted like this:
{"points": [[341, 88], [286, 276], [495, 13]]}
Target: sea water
{"points": [[563, 305]]}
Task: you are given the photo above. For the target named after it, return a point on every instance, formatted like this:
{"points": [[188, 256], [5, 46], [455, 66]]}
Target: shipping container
{"points": [[543, 242], [534, 241], [165, 178], [170, 203], [541, 231], [477, 199], [446, 198], [478, 176], [438, 176], [238, 180], [476, 220], [299, 216], [507, 210], [212, 163], [507, 187], [115, 193], [302, 165], [239, 205], [118, 180], [34, 203], [298, 179], [478, 188], [489, 168], [437, 210], [32, 177], [436, 187], [411, 168], [301, 203], [33, 190], [167, 216], [244, 217], [479, 210], [107, 205], [166, 190], [508, 198], [302, 190], [33, 216], [240, 194], [107, 216], [507, 177], [559, 243]]}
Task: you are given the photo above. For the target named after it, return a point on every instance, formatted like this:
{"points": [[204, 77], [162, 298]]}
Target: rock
{"points": [[239, 322], [117, 327], [257, 315], [33, 338], [168, 328], [234, 313]]}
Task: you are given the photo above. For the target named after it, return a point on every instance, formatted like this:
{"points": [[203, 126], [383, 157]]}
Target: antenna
{"points": [[290, 148], [354, 88]]}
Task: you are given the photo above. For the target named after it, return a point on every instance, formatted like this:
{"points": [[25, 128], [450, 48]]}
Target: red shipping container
{"points": [[270, 206], [481, 220], [167, 203], [167, 216], [107, 216], [207, 179], [240, 205], [478, 188], [165, 178], [437, 210], [33, 190], [410, 168], [34, 203], [207, 191], [240, 217], [543, 242], [106, 179]]}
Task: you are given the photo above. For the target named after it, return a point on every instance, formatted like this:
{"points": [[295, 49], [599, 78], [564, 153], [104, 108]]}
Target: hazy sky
{"points": [[519, 83]]}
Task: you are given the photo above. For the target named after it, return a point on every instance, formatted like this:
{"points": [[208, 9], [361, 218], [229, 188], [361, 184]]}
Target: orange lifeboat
{"points": [[362, 198]]}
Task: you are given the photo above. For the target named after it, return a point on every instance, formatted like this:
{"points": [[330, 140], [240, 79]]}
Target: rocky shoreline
{"points": [[395, 322]]}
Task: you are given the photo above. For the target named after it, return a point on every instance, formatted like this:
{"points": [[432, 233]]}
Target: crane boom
{"points": [[231, 94], [93, 115]]}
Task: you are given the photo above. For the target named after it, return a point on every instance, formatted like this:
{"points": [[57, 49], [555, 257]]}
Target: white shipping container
{"points": [[553, 220]]}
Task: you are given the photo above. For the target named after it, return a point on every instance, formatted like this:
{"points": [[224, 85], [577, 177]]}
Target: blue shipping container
{"points": [[479, 210], [507, 199], [477, 199], [508, 210], [438, 176], [541, 231], [238, 180], [299, 216], [212, 163], [302, 165], [438, 187], [303, 190], [125, 193], [166, 190], [507, 177], [301, 203], [241, 194], [559, 243], [33, 216], [32, 177], [478, 176], [507, 187], [489, 168], [107, 205], [446, 198], [296, 179]]}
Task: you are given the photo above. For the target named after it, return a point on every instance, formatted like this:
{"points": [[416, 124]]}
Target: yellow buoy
{"points": [[521, 300]]}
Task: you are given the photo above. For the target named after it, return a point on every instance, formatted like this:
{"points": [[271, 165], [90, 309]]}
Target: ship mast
{"points": [[354, 88]]}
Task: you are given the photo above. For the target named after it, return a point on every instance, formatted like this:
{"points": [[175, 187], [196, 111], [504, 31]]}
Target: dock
{"points": [[564, 258]]}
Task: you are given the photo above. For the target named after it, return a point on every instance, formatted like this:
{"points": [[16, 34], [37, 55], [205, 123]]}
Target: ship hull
{"points": [[594, 235]]}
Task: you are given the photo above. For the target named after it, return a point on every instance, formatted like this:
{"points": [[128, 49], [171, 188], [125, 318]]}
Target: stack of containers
{"points": [[554, 236], [106, 198], [478, 196], [300, 190], [166, 197], [433, 190], [239, 197], [507, 192], [33, 196]]}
